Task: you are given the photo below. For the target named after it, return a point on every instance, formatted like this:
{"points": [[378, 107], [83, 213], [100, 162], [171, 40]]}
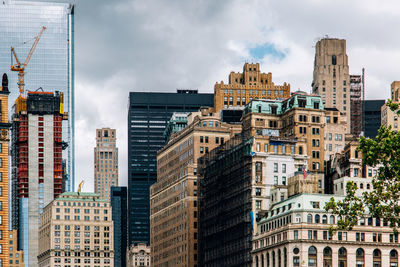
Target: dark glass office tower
{"points": [[147, 119], [119, 205], [372, 117]]}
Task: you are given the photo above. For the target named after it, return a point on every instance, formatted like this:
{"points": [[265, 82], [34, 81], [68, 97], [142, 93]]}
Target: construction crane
{"points": [[21, 68], [80, 186]]}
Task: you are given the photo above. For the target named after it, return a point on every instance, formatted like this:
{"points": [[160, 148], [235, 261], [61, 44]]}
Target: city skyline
{"points": [[272, 40], [174, 45]]}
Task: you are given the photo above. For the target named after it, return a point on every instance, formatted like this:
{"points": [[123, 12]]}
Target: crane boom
{"points": [[21, 69], [28, 58]]}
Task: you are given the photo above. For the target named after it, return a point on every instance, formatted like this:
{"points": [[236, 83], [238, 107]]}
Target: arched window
{"points": [[394, 258], [377, 258], [284, 257], [360, 257], [324, 219], [316, 218], [327, 257], [342, 257], [267, 259], [309, 218], [256, 260], [312, 256], [298, 218], [279, 258], [262, 260], [273, 258], [332, 219]]}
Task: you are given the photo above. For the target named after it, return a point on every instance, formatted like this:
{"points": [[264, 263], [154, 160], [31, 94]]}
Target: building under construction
{"points": [[37, 167], [226, 204], [356, 86]]}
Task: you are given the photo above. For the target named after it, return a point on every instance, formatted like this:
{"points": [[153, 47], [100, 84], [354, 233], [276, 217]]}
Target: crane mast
{"points": [[21, 68]]}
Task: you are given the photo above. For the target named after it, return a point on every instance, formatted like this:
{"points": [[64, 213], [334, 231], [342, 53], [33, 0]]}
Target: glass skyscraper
{"points": [[52, 64], [120, 218], [148, 116]]}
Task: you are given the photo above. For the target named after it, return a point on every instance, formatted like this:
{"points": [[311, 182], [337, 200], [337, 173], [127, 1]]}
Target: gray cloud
{"points": [[126, 45]]}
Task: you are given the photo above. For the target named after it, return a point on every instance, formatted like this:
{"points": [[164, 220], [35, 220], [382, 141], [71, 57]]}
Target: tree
{"points": [[384, 200]]}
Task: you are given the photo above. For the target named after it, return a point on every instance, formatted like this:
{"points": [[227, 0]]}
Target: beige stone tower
{"points": [[105, 162], [331, 79]]}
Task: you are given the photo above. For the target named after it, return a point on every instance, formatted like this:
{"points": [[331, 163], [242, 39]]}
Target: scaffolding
{"points": [[356, 92], [226, 204]]}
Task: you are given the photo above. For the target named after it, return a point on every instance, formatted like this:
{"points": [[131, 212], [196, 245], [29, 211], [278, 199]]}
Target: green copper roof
{"points": [[178, 122], [278, 107]]}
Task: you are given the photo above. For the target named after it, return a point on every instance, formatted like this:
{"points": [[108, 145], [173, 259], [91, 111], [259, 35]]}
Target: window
{"points": [[283, 180], [296, 234], [284, 168], [258, 204], [258, 147], [206, 139], [258, 191], [275, 167], [217, 140], [275, 180], [266, 147], [312, 256]]}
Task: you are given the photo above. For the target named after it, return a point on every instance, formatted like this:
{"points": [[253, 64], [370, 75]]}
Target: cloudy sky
{"points": [[158, 46]]}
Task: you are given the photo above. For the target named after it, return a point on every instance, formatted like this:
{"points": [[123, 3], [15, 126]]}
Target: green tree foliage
{"points": [[384, 200]]}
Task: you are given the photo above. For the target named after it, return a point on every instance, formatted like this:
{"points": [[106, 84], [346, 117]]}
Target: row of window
{"points": [[204, 139], [89, 204], [78, 218], [86, 211], [276, 149], [253, 92], [280, 257]]}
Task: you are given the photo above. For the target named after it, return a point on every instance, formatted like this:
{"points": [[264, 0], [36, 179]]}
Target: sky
{"points": [[158, 46]]}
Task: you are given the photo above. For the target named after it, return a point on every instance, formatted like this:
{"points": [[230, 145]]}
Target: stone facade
{"points": [[335, 132], [76, 229], [295, 233], [331, 79], [16, 257], [138, 255], [388, 117], [246, 86], [105, 162]]}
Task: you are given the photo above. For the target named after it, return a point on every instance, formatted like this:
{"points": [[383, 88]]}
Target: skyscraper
{"points": [[4, 169], [119, 216], [105, 162], [331, 79], [37, 159], [52, 64], [148, 116]]}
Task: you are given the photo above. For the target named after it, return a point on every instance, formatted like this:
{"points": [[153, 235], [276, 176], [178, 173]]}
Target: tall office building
{"points": [[148, 116], [37, 158], [331, 79], [246, 86], [4, 170], [119, 205], [52, 64], [105, 162]]}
